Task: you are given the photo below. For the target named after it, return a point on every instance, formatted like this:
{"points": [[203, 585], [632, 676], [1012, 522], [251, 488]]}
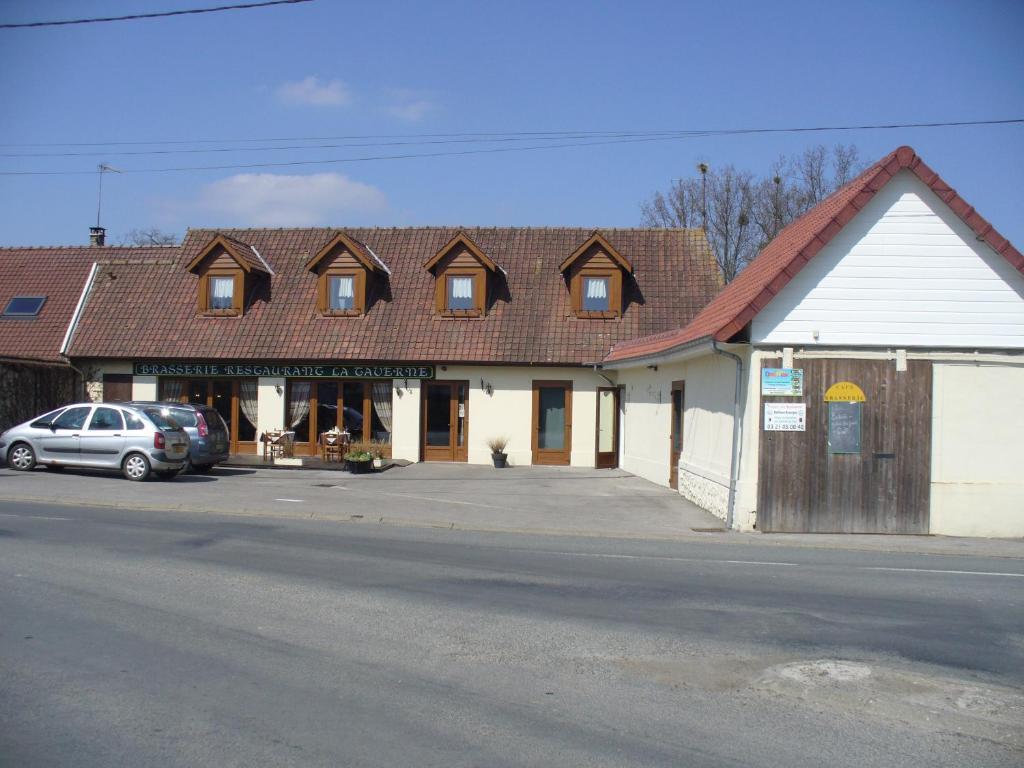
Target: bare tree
{"points": [[729, 225], [742, 214], [148, 236]]}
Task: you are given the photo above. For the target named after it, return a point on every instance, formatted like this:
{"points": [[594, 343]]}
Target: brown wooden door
{"points": [[676, 432], [445, 407], [883, 486], [117, 387], [552, 422], [607, 428]]}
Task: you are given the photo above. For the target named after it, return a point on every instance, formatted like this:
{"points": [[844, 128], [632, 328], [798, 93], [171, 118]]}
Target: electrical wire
{"points": [[291, 147], [155, 15], [494, 150], [557, 134]]}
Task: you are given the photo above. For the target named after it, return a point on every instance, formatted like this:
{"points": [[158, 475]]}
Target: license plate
{"points": [[178, 446]]}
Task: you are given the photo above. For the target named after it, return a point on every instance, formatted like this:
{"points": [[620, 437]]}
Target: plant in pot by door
{"points": [[359, 462], [377, 451], [498, 455]]}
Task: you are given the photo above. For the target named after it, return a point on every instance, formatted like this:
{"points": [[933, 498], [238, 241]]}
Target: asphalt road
{"points": [[135, 638]]}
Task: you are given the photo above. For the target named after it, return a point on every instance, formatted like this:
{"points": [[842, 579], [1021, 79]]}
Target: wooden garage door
{"points": [[884, 488]]}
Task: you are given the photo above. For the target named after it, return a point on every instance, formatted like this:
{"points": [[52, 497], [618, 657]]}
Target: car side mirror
{"points": [[52, 426]]}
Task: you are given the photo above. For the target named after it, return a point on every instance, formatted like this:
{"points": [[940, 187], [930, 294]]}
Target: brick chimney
{"points": [[97, 236]]}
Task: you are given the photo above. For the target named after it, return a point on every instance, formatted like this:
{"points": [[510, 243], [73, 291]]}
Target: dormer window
{"points": [[595, 294], [341, 291], [222, 292], [595, 273], [227, 270], [348, 273], [462, 272], [460, 293]]}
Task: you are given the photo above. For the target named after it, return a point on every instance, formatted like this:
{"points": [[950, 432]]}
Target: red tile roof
{"points": [[796, 245], [146, 309], [59, 274]]}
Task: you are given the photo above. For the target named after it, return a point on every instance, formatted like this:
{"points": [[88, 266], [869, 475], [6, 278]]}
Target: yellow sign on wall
{"points": [[845, 392]]}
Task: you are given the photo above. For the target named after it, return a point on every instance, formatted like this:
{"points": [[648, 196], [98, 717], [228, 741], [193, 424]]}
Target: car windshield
{"points": [[161, 417]]}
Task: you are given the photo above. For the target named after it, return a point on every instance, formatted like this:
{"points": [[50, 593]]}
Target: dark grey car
{"points": [[134, 440], [209, 438]]}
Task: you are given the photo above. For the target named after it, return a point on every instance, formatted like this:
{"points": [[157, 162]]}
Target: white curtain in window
{"points": [[382, 403], [462, 287], [597, 288], [343, 292], [298, 405], [173, 389], [221, 290], [247, 400]]}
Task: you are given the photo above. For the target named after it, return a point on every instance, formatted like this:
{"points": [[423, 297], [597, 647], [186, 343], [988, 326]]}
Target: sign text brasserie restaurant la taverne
{"points": [[291, 370]]}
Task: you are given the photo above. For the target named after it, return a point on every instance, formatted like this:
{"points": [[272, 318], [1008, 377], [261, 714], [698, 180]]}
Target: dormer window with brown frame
{"points": [[462, 274], [347, 272], [227, 270], [595, 273]]}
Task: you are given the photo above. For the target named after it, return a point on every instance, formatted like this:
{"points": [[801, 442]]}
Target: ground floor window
{"points": [[363, 408], [234, 399]]}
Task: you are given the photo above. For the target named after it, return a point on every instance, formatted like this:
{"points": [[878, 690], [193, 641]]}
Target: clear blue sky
{"points": [[332, 68]]}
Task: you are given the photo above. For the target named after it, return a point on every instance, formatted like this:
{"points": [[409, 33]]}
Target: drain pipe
{"points": [[597, 370], [734, 463]]}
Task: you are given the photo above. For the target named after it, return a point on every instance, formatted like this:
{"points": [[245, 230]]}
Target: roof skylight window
{"points": [[24, 306]]}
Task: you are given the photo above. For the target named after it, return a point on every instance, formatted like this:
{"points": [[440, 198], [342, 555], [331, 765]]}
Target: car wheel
{"points": [[135, 466], [21, 457], [167, 474]]}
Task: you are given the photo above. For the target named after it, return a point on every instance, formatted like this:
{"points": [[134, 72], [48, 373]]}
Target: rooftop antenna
{"points": [[703, 168], [102, 168]]}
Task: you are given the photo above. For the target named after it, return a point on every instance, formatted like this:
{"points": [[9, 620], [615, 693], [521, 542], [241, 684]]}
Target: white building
{"points": [[895, 290]]}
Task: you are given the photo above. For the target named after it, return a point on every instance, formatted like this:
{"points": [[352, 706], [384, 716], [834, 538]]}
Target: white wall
{"points": [[144, 388], [905, 272], [705, 462], [405, 419], [508, 410], [270, 394], [977, 444]]}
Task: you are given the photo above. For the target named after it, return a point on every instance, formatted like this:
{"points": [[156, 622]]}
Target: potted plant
{"points": [[358, 461], [498, 455], [377, 451]]}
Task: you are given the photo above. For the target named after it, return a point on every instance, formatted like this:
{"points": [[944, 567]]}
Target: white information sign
{"points": [[785, 417]]}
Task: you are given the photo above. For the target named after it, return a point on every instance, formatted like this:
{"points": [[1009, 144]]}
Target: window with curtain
{"points": [[342, 292], [595, 294], [460, 293], [381, 392], [222, 292]]}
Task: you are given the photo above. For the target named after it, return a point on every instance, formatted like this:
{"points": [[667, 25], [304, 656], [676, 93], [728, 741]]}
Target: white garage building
{"points": [[863, 374]]}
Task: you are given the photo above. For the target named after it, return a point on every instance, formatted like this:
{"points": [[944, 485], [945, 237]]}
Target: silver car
{"points": [[135, 440]]}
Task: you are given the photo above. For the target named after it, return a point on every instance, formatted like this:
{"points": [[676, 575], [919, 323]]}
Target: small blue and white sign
{"points": [[783, 382]]}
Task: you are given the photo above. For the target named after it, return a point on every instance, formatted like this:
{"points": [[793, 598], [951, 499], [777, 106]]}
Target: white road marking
{"points": [[441, 501], [935, 570], [656, 557], [293, 501], [37, 517]]}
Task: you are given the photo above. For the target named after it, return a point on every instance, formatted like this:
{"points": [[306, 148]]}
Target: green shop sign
{"points": [[298, 371]]}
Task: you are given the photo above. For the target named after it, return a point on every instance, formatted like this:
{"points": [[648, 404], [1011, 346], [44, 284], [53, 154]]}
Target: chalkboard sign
{"points": [[844, 427]]}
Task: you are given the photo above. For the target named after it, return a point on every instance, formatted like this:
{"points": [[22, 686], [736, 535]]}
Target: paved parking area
{"points": [[547, 500], [527, 499]]}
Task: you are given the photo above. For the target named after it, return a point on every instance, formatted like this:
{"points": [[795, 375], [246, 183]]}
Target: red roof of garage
{"points": [[796, 245]]}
